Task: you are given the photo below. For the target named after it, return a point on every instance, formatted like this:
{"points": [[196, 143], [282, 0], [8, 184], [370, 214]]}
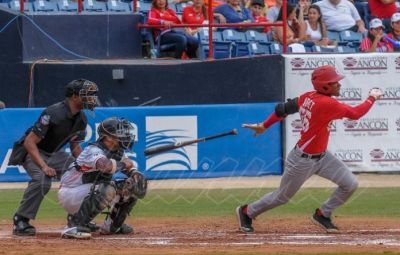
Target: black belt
{"points": [[312, 156]]}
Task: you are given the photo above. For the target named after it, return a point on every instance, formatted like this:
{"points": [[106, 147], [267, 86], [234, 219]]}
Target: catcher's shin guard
{"points": [[92, 205], [114, 222]]}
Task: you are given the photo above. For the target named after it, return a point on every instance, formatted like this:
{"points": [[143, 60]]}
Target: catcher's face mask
{"points": [[88, 95]]}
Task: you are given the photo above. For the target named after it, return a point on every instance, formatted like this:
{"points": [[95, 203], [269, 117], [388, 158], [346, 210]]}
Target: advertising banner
{"points": [[372, 142], [234, 155]]}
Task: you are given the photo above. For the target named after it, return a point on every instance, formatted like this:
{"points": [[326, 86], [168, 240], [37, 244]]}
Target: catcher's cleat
{"points": [[22, 227], [245, 222], [92, 227], [326, 223], [124, 229], [75, 233]]}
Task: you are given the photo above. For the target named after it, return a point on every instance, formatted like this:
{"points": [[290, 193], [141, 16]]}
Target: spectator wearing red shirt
{"points": [[395, 29], [160, 14], [375, 41], [382, 9], [256, 9]]}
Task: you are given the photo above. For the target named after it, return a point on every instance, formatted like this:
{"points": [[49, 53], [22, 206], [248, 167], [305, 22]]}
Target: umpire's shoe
{"points": [[22, 227], [245, 222], [326, 223]]}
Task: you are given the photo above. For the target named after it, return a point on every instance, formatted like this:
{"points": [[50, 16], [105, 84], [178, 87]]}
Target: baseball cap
{"points": [[259, 2], [395, 17], [374, 23]]}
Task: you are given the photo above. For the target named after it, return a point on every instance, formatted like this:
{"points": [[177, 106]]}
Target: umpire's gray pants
{"points": [[297, 171], [40, 184]]}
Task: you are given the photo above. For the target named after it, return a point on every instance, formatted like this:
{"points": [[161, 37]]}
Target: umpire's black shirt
{"points": [[56, 126]]}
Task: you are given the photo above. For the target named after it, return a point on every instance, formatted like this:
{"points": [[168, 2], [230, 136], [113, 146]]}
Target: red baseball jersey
{"points": [[317, 111], [190, 16]]}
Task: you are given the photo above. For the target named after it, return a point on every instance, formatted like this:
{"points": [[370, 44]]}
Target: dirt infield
{"points": [[214, 235]]}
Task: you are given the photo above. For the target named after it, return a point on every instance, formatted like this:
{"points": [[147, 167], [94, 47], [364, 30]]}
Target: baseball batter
{"points": [[87, 187], [317, 110]]}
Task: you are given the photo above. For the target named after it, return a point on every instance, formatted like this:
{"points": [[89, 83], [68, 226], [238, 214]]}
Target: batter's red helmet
{"points": [[323, 76]]}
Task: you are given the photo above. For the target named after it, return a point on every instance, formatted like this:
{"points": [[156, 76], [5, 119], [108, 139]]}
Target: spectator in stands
{"points": [[256, 8], [160, 14], [302, 9], [234, 12], [395, 29], [375, 41], [2, 105], [295, 31], [341, 15], [382, 9], [315, 27], [215, 3], [197, 14], [273, 11]]}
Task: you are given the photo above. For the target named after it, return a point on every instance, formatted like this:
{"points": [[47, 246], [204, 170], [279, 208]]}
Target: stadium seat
{"points": [[14, 5], [67, 6], [222, 49], [118, 6], [179, 7], [256, 48], [296, 48], [320, 49], [255, 36], [346, 49], [44, 6], [350, 36], [94, 6], [276, 48], [144, 6], [240, 46]]}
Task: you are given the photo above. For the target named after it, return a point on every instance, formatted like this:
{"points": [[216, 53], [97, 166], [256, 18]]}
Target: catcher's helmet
{"points": [[119, 129], [323, 76], [86, 90]]}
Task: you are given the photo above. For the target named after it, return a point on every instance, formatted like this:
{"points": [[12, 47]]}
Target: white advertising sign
{"points": [[371, 143]]}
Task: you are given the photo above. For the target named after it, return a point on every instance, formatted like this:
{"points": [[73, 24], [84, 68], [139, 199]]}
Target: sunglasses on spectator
{"points": [[378, 28]]}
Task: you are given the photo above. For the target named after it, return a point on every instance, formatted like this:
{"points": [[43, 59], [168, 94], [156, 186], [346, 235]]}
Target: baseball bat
{"points": [[167, 147]]}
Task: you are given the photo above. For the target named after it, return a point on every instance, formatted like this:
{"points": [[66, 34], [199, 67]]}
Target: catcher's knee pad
{"points": [[94, 204]]}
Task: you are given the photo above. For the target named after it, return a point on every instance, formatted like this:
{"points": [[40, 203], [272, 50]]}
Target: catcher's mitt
{"points": [[134, 186]]}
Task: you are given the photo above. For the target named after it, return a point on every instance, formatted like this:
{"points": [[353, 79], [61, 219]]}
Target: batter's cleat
{"points": [[22, 227], [75, 233], [326, 223], [245, 222]]}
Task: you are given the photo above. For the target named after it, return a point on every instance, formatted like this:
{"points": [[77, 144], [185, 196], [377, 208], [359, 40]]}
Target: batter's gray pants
{"points": [[40, 184], [297, 171]]}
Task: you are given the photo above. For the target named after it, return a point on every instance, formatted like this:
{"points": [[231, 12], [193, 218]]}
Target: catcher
{"points": [[87, 187]]}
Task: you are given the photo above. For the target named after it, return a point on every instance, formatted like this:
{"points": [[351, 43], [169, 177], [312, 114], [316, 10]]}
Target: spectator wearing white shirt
{"points": [[341, 15]]}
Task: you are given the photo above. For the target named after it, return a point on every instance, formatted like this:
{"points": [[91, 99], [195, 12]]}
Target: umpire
{"points": [[39, 148]]}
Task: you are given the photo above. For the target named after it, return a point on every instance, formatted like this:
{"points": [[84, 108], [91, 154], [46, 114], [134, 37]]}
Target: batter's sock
{"points": [[244, 209]]}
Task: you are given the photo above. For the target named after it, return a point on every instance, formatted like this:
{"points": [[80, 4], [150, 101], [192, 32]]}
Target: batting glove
{"points": [[377, 93]]}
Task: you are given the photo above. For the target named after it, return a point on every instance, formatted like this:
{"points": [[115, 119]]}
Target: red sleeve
{"points": [[365, 44], [272, 119], [341, 110], [154, 17], [173, 16]]}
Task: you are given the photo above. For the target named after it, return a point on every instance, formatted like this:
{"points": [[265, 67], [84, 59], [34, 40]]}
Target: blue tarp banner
{"points": [[236, 155]]}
